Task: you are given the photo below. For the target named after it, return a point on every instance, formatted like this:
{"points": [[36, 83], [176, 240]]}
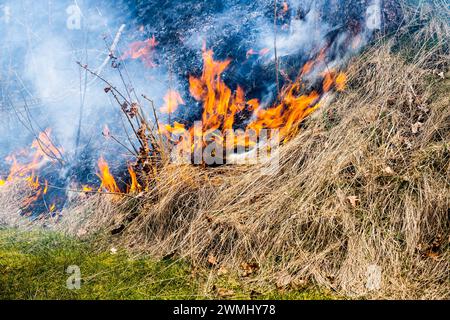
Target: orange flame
{"points": [[143, 50], [41, 152], [261, 52], [341, 81], [135, 186], [108, 182], [331, 79], [171, 101], [221, 105]]}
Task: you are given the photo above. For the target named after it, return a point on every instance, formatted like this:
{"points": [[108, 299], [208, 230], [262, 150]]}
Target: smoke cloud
{"points": [[42, 40]]}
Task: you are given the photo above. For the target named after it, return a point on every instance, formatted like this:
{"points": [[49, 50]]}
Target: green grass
{"points": [[33, 265]]}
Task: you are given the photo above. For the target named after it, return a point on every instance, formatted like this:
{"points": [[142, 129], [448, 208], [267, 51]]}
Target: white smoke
{"points": [[304, 35], [42, 42]]}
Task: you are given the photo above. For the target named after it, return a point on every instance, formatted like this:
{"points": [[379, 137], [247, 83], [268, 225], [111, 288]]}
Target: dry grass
{"points": [[11, 198], [366, 182]]}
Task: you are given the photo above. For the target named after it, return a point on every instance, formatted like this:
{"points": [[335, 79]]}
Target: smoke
{"points": [[42, 40]]}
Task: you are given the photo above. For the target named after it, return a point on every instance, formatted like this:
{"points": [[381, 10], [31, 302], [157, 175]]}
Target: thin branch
{"points": [[124, 146], [114, 91], [275, 47], [44, 150], [157, 123]]}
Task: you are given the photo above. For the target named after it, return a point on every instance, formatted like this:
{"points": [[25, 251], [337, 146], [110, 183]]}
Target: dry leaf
{"points": [[133, 110], [432, 255], [212, 260], [353, 200], [224, 293], [249, 268]]}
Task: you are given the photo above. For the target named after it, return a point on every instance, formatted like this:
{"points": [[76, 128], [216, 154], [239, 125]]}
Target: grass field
{"points": [[33, 265]]}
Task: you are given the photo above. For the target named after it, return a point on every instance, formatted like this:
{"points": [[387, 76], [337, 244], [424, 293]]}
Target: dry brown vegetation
{"points": [[365, 182]]}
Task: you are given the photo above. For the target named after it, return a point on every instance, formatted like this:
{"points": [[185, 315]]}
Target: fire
{"points": [[328, 81], [177, 128], [341, 81], [41, 152], [45, 187], [108, 182], [331, 79], [87, 189], [171, 101], [261, 52], [26, 164], [307, 67], [221, 105], [135, 186], [143, 50]]}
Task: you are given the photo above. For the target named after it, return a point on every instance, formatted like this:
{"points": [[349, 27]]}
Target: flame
{"points": [[261, 52], [135, 186], [108, 182], [328, 81], [331, 79], [41, 152], [307, 67], [176, 129], [26, 163], [87, 188], [45, 187], [221, 105], [171, 101], [143, 50], [341, 81]]}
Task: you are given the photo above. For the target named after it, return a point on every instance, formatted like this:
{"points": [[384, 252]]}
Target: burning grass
{"points": [[364, 185]]}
